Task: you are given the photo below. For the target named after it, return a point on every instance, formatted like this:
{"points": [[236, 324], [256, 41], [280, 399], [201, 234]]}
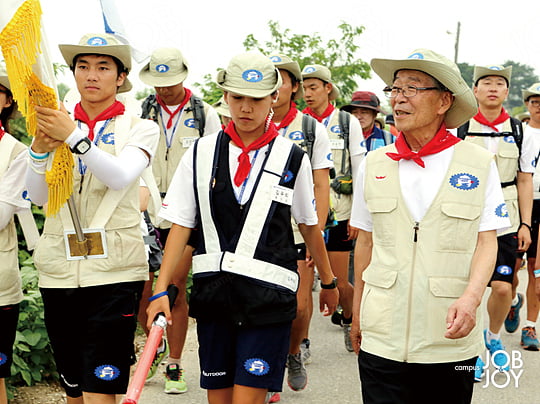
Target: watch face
{"points": [[83, 147]]}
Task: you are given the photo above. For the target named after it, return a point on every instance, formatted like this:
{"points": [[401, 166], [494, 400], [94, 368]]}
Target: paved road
{"points": [[333, 373]]}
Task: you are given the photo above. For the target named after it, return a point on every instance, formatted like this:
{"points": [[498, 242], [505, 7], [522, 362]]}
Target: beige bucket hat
{"points": [[494, 70], [464, 106], [167, 67], [250, 74], [322, 73], [100, 44], [532, 90], [283, 62], [222, 108], [4, 81]]}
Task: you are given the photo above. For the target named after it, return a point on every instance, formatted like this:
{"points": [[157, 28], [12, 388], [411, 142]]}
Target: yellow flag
{"points": [[32, 81]]}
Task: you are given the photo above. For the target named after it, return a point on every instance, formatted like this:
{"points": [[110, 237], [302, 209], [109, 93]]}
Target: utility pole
{"points": [[456, 48]]}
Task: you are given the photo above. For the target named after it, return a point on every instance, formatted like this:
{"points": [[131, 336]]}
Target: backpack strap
{"points": [[199, 116], [308, 128], [463, 130], [149, 108], [344, 127]]}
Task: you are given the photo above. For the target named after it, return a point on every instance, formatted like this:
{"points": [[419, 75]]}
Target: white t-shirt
{"points": [[179, 206], [13, 189], [419, 186], [534, 134]]}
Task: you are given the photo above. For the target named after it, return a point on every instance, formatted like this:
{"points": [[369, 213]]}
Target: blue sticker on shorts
{"points": [[256, 366], [501, 210], [288, 176], [3, 358], [504, 269], [107, 372], [464, 181]]}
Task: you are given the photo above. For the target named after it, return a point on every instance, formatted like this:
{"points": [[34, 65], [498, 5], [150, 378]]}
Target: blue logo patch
{"points": [[335, 129], [256, 366], [288, 177], [533, 163], [3, 358], [296, 135], [190, 123], [416, 55], [464, 181], [494, 68], [161, 68], [309, 69], [329, 157], [275, 59], [107, 138], [97, 41], [25, 196], [501, 210], [252, 75], [107, 372], [538, 88], [509, 139], [504, 269]]}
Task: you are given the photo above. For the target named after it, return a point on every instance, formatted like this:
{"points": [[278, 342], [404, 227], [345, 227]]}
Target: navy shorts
{"points": [[247, 356], [9, 315], [337, 238], [506, 258], [92, 331], [531, 251]]}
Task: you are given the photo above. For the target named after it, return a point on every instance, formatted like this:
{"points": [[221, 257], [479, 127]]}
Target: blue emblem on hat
{"points": [[501, 210], [464, 181], [162, 68], [509, 139], [3, 358], [288, 176], [275, 59], [309, 69], [252, 75], [416, 55], [538, 88], [97, 41], [335, 129], [296, 135], [256, 366], [107, 372], [190, 123], [504, 269], [494, 68]]}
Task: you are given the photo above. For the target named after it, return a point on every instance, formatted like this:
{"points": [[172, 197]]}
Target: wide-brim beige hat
{"points": [[493, 70], [222, 108], [532, 90], [100, 44], [283, 62], [464, 106], [250, 74], [322, 73], [4, 81], [167, 67]]}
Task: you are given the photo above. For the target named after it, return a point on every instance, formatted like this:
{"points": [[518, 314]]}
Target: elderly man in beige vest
{"points": [[428, 208]]}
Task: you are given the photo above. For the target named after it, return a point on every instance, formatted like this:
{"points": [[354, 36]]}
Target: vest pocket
{"points": [[459, 227], [377, 307], [507, 162], [383, 220]]}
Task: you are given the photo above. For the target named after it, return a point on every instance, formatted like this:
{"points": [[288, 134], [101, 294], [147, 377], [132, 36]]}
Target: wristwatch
{"points": [[331, 285], [82, 146]]}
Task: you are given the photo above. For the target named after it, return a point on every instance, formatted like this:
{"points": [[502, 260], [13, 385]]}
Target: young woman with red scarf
{"points": [[241, 187]]}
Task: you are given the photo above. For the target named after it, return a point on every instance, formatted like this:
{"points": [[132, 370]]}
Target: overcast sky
{"points": [[209, 34]]}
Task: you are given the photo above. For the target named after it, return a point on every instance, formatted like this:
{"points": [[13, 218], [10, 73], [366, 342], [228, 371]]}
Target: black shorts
{"points": [[531, 251], [193, 241], [92, 331], [300, 251], [506, 258], [337, 238], [9, 315], [252, 356], [386, 381]]}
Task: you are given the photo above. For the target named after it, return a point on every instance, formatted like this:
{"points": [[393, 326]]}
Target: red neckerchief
{"points": [[368, 134], [177, 110], [1, 132], [327, 112], [117, 108], [500, 119], [441, 141], [244, 165], [289, 117]]}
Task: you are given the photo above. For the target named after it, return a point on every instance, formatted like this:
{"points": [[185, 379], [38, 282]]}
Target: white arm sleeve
{"points": [[38, 190]]}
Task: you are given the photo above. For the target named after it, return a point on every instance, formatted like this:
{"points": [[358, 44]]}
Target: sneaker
{"points": [[306, 352], [528, 339], [479, 370], [296, 372], [272, 397], [347, 337], [499, 359], [158, 358], [174, 379], [337, 317], [511, 323]]}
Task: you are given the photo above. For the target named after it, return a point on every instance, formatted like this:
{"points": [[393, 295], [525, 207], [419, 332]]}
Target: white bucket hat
{"points": [[322, 73], [4, 81], [494, 70], [464, 106], [100, 44], [167, 67], [283, 62], [250, 74], [532, 90]]}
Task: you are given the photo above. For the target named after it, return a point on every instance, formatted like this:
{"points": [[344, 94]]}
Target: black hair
{"points": [[294, 81], [6, 113], [119, 65], [487, 75]]}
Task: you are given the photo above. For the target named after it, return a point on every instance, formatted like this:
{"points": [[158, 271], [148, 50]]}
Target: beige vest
{"points": [[507, 159], [10, 280], [418, 270], [126, 259]]}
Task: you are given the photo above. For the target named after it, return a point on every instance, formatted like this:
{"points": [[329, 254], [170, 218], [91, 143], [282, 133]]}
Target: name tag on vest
{"points": [[337, 144], [188, 141], [282, 195]]}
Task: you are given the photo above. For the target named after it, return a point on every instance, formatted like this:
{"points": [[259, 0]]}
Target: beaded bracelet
{"points": [[157, 296]]}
